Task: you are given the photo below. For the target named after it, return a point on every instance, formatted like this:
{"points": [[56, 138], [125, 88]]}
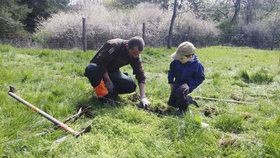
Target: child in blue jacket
{"points": [[186, 73]]}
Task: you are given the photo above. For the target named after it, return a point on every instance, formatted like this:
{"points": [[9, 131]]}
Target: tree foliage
{"points": [[18, 14], [41, 9], [11, 13], [125, 4]]}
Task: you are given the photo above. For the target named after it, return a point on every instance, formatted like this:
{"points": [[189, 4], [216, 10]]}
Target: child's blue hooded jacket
{"points": [[191, 73]]}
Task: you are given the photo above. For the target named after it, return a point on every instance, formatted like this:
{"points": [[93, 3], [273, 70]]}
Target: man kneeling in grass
{"points": [[104, 74], [186, 73]]}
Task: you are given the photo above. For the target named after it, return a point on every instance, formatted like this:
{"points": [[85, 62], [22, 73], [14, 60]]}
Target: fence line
{"points": [[89, 41]]}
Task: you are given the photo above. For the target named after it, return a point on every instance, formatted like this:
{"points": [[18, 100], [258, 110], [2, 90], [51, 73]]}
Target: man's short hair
{"points": [[136, 41]]}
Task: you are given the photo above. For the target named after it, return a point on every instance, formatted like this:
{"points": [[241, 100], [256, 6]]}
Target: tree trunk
{"points": [[249, 11], [236, 10], [172, 24]]}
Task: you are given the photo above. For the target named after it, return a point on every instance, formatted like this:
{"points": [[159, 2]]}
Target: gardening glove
{"points": [[110, 86], [144, 103]]}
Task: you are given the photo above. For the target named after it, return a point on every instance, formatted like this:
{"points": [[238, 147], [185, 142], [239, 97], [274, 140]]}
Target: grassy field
{"points": [[53, 80]]}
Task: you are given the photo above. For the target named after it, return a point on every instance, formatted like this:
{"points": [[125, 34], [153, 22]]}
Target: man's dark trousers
{"points": [[123, 83]]}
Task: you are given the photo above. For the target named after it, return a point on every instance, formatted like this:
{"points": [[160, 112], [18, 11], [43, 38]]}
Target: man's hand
{"points": [[171, 86], [144, 103], [108, 83], [110, 86]]}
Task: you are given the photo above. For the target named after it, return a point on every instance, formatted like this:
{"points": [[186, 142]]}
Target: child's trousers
{"points": [[179, 97]]}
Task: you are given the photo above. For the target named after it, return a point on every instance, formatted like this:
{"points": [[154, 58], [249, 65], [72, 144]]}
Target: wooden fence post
{"points": [[143, 31], [84, 38]]}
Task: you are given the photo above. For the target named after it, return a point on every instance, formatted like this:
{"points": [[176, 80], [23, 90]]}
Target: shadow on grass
{"points": [[99, 108]]}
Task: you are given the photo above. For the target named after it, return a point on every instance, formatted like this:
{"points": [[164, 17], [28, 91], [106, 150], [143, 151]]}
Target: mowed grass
{"points": [[53, 81]]}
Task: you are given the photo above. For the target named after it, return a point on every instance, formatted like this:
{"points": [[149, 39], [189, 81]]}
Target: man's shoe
{"points": [[109, 99]]}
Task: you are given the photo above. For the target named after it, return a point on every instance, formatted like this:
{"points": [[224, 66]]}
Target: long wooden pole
{"points": [[44, 114], [223, 100]]}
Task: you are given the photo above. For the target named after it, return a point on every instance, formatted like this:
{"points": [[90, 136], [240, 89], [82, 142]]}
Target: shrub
{"points": [[264, 33], [228, 31], [103, 24], [189, 28]]}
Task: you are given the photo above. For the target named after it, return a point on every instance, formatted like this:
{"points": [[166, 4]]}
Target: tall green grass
{"points": [[259, 77]]}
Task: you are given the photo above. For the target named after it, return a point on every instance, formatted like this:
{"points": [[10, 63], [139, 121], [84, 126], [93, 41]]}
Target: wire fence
{"points": [[86, 40]]}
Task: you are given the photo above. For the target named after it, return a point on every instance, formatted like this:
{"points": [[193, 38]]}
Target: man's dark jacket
{"points": [[114, 54]]}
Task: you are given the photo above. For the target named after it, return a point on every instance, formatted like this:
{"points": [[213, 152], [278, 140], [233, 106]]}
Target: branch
{"points": [[222, 100]]}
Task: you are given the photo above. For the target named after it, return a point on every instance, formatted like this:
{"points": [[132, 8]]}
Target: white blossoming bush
{"points": [[64, 30], [263, 34]]}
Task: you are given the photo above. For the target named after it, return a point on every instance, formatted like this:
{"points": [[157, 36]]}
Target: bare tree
{"points": [[249, 11], [236, 10], [172, 23]]}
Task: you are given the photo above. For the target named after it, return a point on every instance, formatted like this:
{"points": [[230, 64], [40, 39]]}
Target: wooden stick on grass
{"points": [[222, 100]]}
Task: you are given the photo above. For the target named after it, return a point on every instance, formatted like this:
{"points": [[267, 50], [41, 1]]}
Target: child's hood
{"points": [[194, 60]]}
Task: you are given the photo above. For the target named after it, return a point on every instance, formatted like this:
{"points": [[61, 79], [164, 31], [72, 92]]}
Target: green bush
{"points": [[41, 37]]}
